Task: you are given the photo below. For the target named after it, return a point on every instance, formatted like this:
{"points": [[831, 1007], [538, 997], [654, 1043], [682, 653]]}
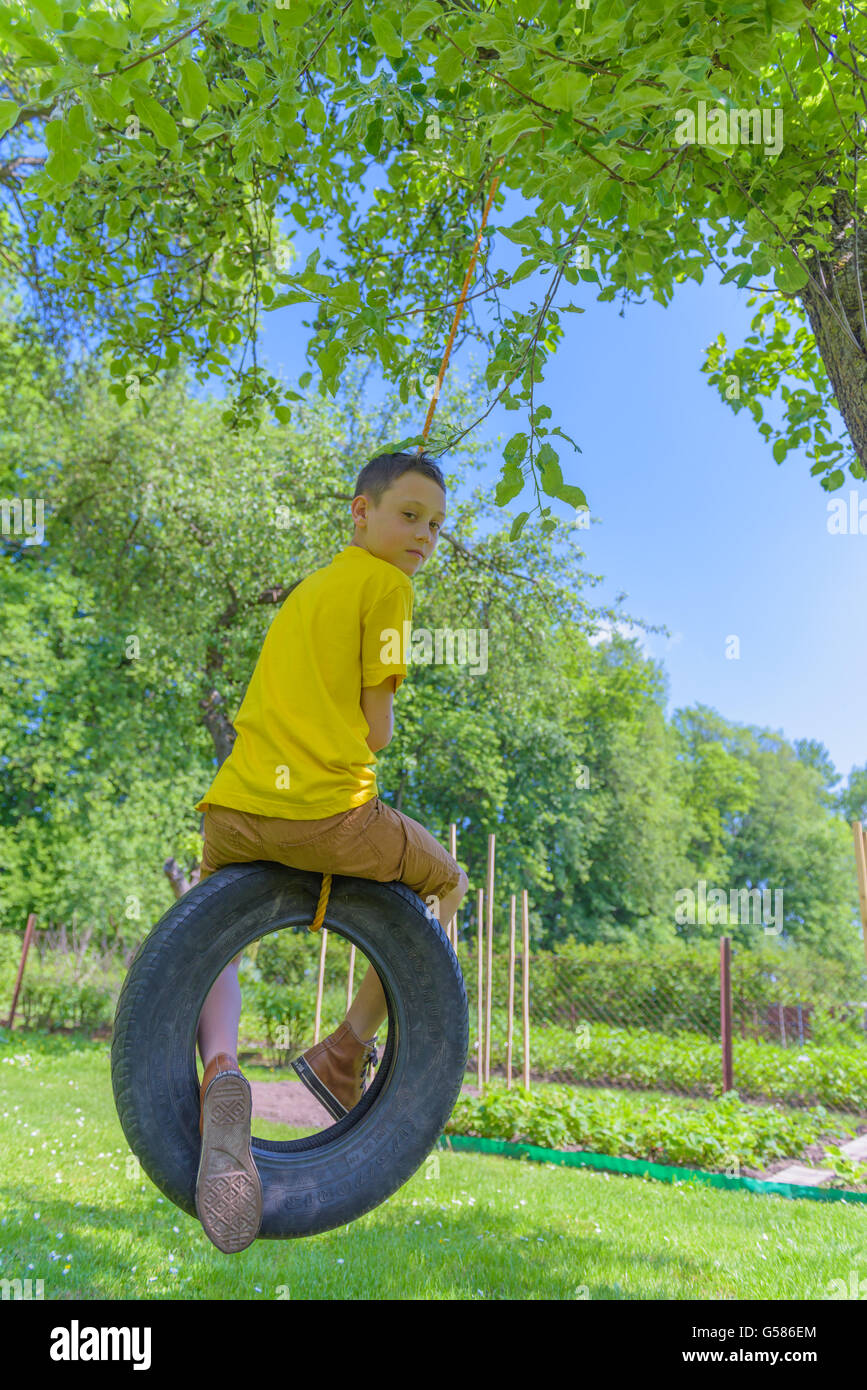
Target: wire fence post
{"points": [[725, 1010], [525, 923], [511, 992], [323, 947], [861, 870], [350, 976], [490, 907], [480, 1032], [452, 926], [28, 936]]}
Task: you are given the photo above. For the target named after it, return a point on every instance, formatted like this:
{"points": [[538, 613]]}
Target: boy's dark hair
{"points": [[385, 469]]}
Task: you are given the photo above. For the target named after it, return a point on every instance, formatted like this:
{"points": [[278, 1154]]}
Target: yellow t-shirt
{"points": [[301, 750]]}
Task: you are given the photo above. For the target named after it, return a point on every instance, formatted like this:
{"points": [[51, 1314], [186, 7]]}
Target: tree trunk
{"points": [[220, 728], [178, 879], [836, 312]]}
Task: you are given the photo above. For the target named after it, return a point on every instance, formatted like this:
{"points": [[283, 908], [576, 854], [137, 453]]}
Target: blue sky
{"points": [[693, 519]]}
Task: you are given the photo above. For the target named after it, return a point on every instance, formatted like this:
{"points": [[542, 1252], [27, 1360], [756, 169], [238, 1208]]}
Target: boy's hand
{"points": [[378, 709]]}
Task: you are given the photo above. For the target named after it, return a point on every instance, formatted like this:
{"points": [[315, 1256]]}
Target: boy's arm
{"points": [[378, 710]]}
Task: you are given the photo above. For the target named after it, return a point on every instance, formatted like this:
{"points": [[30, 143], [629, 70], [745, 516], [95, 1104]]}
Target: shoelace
{"points": [[371, 1060]]}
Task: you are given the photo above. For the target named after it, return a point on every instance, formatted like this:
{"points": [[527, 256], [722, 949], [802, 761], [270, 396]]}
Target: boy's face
{"points": [[407, 520]]}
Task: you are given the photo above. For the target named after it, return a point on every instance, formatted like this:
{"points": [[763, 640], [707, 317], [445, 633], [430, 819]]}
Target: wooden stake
{"points": [[28, 937], [511, 992], [525, 913], [861, 870], [491, 839], [725, 1010], [351, 974], [452, 929], [481, 1037], [323, 932]]}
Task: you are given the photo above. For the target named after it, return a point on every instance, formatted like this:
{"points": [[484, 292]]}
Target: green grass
{"points": [[478, 1227]]}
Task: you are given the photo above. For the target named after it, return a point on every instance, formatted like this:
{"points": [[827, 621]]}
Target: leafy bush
{"points": [[48, 1002], [833, 1029], [689, 1063], [718, 1135], [285, 1012], [283, 957], [10, 955], [675, 985]]}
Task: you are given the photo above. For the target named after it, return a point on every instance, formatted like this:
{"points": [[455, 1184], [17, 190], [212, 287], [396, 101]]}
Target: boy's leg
{"points": [[368, 1009], [224, 843], [221, 1013], [381, 843]]}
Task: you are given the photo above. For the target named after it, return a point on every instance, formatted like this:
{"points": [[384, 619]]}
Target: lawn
{"points": [[75, 1214]]}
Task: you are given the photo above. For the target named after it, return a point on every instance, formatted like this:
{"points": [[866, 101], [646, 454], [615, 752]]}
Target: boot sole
{"points": [[319, 1089], [228, 1186]]}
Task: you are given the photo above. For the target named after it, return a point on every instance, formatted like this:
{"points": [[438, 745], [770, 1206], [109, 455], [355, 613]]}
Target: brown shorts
{"points": [[368, 841]]}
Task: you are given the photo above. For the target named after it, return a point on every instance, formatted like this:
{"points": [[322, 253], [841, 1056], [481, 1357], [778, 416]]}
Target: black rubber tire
{"points": [[321, 1181]]}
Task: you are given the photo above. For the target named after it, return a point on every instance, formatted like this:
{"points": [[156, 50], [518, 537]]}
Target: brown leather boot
{"points": [[336, 1069], [228, 1186]]}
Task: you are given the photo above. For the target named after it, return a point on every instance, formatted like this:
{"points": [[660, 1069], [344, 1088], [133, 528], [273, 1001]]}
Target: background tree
{"points": [[177, 139]]}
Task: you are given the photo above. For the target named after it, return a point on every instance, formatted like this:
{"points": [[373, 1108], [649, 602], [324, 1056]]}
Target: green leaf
{"points": [[448, 65], [242, 29], [8, 115], [150, 14], [552, 479], [609, 204], [386, 36], [104, 105], [269, 33], [210, 129], [38, 53], [64, 162], [294, 15], [781, 448], [50, 11], [695, 68], [419, 17], [158, 120], [524, 269], [789, 276], [193, 91], [516, 448], [518, 525], [508, 127], [373, 137], [314, 115], [346, 296], [112, 32], [510, 483], [566, 91]]}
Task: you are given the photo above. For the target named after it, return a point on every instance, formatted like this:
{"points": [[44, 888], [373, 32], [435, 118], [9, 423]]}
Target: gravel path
{"points": [[290, 1103]]}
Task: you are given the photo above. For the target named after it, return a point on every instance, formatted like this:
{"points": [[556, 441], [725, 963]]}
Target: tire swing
{"points": [[325, 1180]]}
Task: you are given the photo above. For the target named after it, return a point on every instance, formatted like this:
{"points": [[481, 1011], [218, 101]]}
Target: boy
{"points": [[298, 788]]}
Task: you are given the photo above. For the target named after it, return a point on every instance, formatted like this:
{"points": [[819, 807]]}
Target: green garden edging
{"points": [[639, 1167]]}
